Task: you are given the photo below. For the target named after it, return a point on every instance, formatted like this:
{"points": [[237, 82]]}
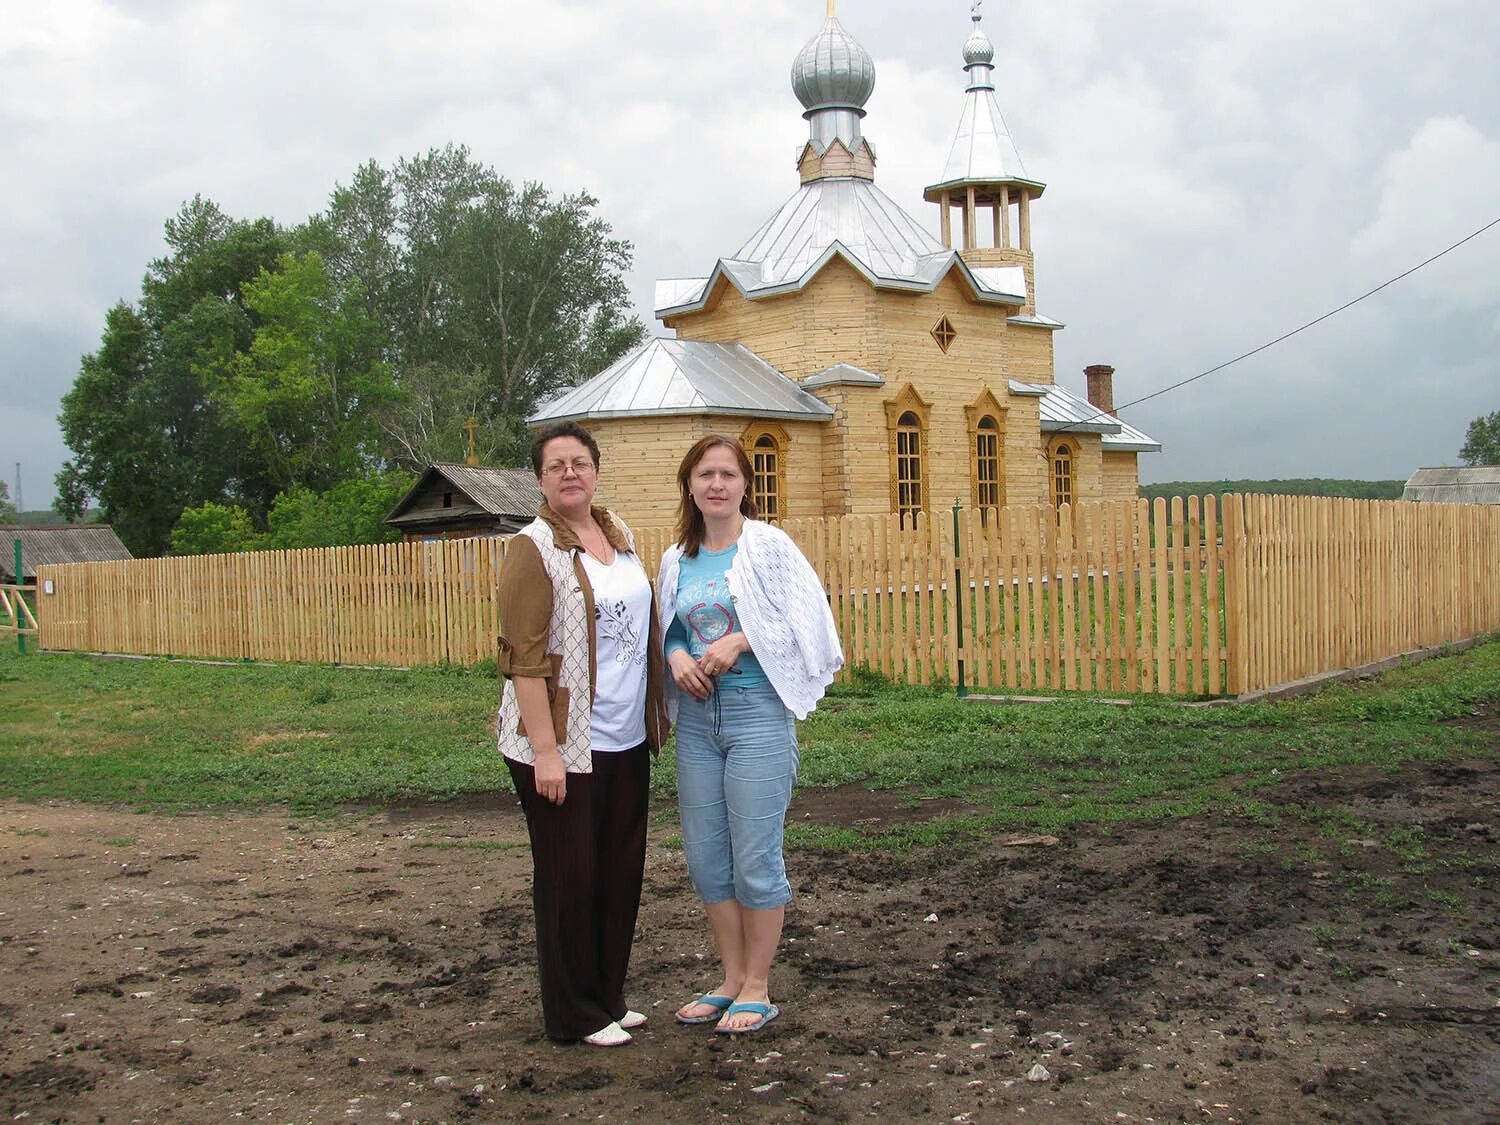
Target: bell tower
{"points": [[984, 181]]}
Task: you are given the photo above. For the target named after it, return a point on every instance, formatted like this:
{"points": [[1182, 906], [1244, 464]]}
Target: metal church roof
{"points": [[1063, 411], [982, 150], [842, 374], [686, 377], [840, 217]]}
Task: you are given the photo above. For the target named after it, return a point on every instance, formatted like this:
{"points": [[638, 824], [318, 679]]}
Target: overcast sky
{"points": [[1217, 174]]}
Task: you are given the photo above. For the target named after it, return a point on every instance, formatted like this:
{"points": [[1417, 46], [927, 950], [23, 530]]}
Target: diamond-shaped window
{"points": [[944, 333]]}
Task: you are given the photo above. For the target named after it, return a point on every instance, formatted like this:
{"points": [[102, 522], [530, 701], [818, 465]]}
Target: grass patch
{"points": [[170, 735]]}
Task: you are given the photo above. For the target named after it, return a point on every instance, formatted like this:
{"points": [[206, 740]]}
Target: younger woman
{"points": [[750, 646]]}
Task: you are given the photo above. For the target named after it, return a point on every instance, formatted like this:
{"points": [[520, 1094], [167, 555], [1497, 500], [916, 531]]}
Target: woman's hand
{"points": [[550, 777], [721, 656], [688, 675]]}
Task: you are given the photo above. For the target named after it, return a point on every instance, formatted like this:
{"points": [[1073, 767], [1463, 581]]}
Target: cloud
{"points": [[1440, 187], [1217, 173]]}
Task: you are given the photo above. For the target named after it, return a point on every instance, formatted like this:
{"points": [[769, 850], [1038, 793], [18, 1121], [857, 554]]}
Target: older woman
{"points": [[580, 708], [751, 646]]}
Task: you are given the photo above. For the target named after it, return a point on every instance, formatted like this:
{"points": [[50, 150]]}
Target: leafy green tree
{"points": [[214, 529], [8, 513], [351, 512], [1482, 442], [259, 361], [305, 395], [147, 442], [492, 297]]}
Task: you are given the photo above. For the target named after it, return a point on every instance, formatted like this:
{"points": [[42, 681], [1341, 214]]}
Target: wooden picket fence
{"points": [[1196, 597], [15, 614]]}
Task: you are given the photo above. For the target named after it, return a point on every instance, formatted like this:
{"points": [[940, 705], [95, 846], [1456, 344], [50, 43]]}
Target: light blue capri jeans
{"points": [[736, 762]]}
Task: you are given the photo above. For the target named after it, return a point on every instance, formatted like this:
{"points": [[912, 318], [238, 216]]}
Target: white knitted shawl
{"points": [[783, 611]]}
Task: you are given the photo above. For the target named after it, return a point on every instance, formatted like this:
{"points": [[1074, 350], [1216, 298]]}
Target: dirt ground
{"points": [[379, 967]]}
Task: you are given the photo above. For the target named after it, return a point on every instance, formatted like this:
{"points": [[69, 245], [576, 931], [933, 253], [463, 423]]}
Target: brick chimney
{"points": [[1101, 379]]}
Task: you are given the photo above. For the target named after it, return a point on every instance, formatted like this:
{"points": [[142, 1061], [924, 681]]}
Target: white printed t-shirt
{"points": [[622, 622]]}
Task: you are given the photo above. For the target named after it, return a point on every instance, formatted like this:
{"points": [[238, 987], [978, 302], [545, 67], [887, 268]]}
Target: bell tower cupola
{"points": [[833, 77], [984, 181]]}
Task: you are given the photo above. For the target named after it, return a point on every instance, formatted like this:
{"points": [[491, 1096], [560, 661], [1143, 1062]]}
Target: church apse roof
{"points": [[1062, 411], [664, 377]]}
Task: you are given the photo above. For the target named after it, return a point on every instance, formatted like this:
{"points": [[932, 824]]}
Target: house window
{"points": [[987, 463], [908, 466], [765, 444], [944, 333], [1062, 474]]}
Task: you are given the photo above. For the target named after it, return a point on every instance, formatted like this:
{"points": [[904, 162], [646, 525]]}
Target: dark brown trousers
{"points": [[588, 856]]}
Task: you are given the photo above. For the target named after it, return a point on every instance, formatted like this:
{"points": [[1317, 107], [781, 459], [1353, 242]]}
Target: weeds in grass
{"points": [[1408, 844], [1448, 899]]}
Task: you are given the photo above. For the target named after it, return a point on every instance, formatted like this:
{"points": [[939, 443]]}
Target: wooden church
{"points": [[865, 366]]}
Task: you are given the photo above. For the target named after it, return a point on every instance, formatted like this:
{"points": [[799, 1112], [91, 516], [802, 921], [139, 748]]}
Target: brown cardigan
{"points": [[526, 604]]}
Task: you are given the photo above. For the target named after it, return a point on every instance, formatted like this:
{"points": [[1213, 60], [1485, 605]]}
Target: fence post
{"points": [[958, 599], [1236, 618], [20, 596]]}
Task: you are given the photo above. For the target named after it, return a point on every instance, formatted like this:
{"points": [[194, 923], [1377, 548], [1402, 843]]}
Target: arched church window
{"points": [[907, 416], [766, 444], [909, 466], [1062, 474], [987, 477], [766, 493]]}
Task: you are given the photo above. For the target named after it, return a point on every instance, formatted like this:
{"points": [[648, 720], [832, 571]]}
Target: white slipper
{"points": [[632, 1019], [610, 1035]]}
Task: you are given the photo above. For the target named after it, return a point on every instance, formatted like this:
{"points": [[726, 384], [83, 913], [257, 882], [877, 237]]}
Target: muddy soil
{"points": [[1338, 961]]}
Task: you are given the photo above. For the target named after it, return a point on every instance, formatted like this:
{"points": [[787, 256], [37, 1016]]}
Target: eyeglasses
{"points": [[581, 467]]}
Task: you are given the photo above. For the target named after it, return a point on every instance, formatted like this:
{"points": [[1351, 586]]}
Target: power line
{"points": [[1287, 335]]}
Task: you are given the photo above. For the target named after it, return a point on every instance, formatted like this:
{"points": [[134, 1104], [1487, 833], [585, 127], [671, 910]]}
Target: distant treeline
{"points": [[46, 517], [1296, 486]]}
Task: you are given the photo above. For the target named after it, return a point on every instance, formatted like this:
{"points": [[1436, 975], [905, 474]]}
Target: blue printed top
{"points": [[705, 612]]}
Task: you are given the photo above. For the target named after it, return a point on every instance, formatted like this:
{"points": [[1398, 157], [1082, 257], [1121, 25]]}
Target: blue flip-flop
{"points": [[711, 1000], [766, 1012]]}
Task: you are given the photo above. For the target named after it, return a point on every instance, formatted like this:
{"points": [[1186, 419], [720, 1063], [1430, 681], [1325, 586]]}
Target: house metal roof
{"points": [[666, 376], [1064, 411], [1479, 484], [70, 543]]}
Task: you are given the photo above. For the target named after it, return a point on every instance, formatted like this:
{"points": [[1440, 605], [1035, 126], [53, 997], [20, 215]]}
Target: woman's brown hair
{"points": [[689, 519]]}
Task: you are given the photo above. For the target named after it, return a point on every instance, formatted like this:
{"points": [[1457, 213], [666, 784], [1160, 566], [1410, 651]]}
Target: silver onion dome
{"points": [[832, 71], [978, 49]]}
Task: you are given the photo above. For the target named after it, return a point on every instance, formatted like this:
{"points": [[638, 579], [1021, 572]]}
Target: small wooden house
{"points": [[457, 501], [56, 543], [865, 365], [1479, 484]]}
